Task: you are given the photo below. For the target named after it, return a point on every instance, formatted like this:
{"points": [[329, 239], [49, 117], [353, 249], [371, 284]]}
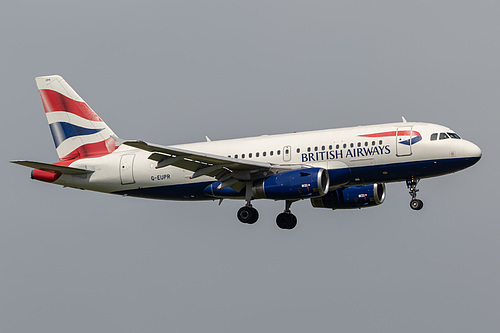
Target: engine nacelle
{"points": [[295, 184], [352, 197]]}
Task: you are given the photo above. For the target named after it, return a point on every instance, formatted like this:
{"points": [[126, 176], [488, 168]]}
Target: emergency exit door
{"points": [[287, 153]]}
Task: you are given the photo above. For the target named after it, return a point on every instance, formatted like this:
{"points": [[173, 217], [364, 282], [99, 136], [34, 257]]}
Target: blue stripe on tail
{"points": [[62, 131]]}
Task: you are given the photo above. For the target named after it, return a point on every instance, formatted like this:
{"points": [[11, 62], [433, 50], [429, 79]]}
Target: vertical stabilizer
{"points": [[78, 132]]}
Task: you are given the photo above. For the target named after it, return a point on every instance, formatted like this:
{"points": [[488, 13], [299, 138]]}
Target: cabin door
{"points": [[126, 169], [403, 141]]}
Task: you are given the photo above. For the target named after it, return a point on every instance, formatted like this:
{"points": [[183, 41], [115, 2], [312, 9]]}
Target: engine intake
{"points": [[352, 197]]}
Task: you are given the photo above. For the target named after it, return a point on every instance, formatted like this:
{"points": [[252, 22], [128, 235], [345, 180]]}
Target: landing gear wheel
{"points": [[286, 221], [416, 204], [248, 215]]}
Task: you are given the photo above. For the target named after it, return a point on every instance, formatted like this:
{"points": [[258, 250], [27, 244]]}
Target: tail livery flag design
{"points": [[77, 130]]}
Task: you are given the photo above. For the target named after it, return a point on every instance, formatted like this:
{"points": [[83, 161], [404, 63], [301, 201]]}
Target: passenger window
{"points": [[443, 136], [380, 142], [250, 155], [308, 149], [278, 152], [434, 136], [337, 147], [236, 156], [345, 145], [264, 154], [271, 153], [298, 150], [256, 154], [373, 143], [352, 145], [322, 147], [359, 144], [316, 148], [242, 155], [366, 144], [331, 147]]}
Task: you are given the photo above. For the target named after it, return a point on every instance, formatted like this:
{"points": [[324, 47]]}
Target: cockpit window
{"points": [[434, 136], [453, 135], [443, 136]]}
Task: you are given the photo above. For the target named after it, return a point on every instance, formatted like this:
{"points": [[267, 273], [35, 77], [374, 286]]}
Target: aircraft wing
{"points": [[225, 169], [53, 167]]}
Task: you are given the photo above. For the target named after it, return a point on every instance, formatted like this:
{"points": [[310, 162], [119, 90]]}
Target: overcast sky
{"points": [[174, 71]]}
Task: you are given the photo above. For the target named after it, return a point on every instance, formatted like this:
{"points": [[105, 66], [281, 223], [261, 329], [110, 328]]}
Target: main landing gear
{"points": [[247, 214], [415, 204], [286, 220]]}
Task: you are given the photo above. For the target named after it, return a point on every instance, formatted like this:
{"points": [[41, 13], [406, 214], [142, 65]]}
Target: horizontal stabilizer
{"points": [[53, 167]]}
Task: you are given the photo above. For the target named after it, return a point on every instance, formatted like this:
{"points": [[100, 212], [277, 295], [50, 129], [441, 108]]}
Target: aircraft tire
{"points": [[286, 221], [248, 215], [416, 204]]}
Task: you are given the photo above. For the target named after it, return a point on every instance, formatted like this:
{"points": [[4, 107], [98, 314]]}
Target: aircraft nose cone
{"points": [[472, 152]]}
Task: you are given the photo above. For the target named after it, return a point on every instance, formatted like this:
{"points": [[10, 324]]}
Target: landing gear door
{"points": [[403, 141], [126, 169], [287, 153]]}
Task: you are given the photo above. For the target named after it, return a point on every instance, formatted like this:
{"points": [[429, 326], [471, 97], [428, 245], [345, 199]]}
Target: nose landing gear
{"points": [[415, 204]]}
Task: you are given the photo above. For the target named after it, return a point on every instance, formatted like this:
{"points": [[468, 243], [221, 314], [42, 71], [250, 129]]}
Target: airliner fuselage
{"points": [[335, 168], [370, 156]]}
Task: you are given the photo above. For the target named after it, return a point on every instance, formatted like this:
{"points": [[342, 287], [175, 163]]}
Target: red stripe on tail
{"points": [[54, 101], [88, 150]]}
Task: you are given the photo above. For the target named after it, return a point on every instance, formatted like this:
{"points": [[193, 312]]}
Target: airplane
{"points": [[341, 168]]}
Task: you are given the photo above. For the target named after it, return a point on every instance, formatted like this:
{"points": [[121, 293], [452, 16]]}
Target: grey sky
{"points": [[174, 71]]}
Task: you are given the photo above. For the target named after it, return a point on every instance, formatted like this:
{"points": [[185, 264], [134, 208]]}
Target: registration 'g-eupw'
{"points": [[336, 168]]}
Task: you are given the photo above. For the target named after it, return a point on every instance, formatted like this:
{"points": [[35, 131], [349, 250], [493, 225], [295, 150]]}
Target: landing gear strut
{"points": [[247, 214], [286, 220], [415, 204]]}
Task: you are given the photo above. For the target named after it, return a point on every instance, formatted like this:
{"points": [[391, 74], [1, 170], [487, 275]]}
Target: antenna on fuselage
{"points": [[404, 119]]}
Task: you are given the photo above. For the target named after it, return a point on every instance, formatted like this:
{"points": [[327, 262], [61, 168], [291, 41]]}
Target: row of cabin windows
{"points": [[351, 145], [264, 154], [309, 149], [444, 136]]}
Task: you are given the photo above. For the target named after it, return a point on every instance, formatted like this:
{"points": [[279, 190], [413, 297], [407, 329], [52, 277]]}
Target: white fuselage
{"points": [[371, 152]]}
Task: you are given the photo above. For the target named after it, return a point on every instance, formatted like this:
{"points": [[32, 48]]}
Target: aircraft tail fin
{"points": [[78, 132]]}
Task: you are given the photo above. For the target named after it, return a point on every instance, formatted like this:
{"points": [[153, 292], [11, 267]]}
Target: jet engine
{"points": [[295, 184], [352, 197]]}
